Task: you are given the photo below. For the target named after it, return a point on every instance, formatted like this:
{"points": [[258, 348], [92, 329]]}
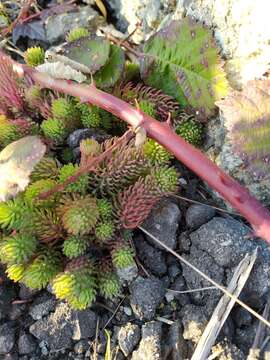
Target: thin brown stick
{"points": [[87, 168]]}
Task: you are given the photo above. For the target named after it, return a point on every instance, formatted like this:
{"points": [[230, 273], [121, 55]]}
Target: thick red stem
{"points": [[229, 188]]}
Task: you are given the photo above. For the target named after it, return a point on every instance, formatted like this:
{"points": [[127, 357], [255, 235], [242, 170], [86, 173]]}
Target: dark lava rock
{"points": [[224, 240], [241, 317], [206, 264], [228, 351], [146, 296], [42, 305], [152, 258], [128, 338], [173, 343], [173, 271], [7, 337], [7, 294], [194, 321], [58, 329], [244, 337], [179, 285], [26, 293], [198, 215], [81, 347], [77, 136], [26, 344], [163, 223], [150, 344]]}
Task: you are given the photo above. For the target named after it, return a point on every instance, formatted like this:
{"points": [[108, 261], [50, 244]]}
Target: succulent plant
{"points": [[105, 209], [35, 189], [42, 269], [17, 249], [166, 178], [79, 185], [191, 131], [108, 284], [15, 272], [74, 246], [79, 214], [8, 131], [47, 168], [90, 116], [104, 231], [156, 153], [122, 256], [34, 56], [77, 33], [55, 130], [12, 213]]}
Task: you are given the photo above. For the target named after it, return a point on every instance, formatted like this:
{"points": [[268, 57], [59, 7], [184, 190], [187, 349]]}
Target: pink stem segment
{"points": [[194, 159]]}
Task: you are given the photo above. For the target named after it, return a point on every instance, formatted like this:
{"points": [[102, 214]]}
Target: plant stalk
{"points": [[195, 160]]}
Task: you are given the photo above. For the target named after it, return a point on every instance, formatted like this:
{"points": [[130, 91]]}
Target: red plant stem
{"points": [[194, 159]]}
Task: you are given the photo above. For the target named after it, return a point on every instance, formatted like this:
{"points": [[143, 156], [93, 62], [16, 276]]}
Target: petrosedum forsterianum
{"points": [[77, 33], [79, 185], [79, 214], [191, 131], [156, 153], [76, 285], [17, 249], [108, 284], [75, 246], [34, 56]]}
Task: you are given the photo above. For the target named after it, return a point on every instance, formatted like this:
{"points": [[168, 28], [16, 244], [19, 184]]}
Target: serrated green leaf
{"points": [[182, 60], [111, 72], [92, 52]]}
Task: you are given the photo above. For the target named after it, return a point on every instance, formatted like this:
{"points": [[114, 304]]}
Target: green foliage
{"points": [[15, 272], [55, 130], [92, 52], [167, 178], [47, 168], [78, 287], [106, 119], [104, 231], [34, 56], [191, 131], [90, 116], [17, 249], [8, 131], [156, 153], [74, 246], [42, 269], [105, 209], [90, 147], [132, 71], [147, 107], [108, 284], [79, 185], [183, 61], [79, 215], [77, 33], [35, 189], [11, 213], [63, 108], [122, 257], [111, 72]]}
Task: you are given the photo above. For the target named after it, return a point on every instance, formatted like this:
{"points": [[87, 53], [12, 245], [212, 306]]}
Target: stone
{"points": [[128, 274], [25, 293], [7, 294], [179, 284], [78, 135], [26, 344], [17, 310], [173, 271], [57, 26], [59, 328], [224, 240], [128, 338], [241, 317], [173, 343], [206, 264], [150, 344], [145, 297], [81, 347], [152, 258], [194, 321], [163, 223], [198, 215], [42, 306], [244, 337], [7, 337], [129, 14], [227, 351]]}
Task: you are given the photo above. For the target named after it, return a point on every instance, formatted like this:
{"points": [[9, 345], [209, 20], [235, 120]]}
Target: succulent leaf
{"points": [[17, 249], [108, 284], [190, 130], [104, 231], [156, 153], [55, 130], [77, 33], [122, 256], [182, 60], [34, 56], [74, 246], [79, 185], [47, 168]]}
